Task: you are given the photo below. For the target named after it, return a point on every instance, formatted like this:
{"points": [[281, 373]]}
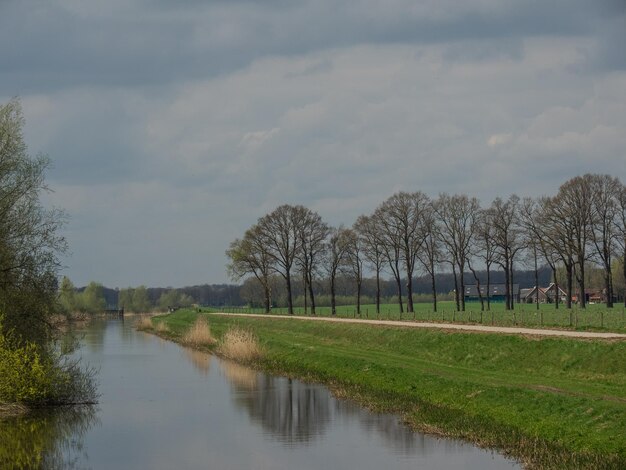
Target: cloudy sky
{"points": [[173, 126]]}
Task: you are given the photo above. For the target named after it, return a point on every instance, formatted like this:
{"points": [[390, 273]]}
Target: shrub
{"points": [[26, 375]]}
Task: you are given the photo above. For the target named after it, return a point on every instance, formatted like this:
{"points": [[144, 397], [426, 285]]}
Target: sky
{"points": [[173, 126]]}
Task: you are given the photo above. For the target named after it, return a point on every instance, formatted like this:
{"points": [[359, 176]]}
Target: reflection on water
{"points": [[46, 439], [200, 360], [294, 412]]}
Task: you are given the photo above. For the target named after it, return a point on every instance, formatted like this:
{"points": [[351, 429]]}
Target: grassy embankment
{"points": [[552, 403], [596, 317]]}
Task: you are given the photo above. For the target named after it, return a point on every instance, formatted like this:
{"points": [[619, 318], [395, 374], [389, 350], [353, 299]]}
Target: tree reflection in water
{"points": [[294, 412], [46, 439]]}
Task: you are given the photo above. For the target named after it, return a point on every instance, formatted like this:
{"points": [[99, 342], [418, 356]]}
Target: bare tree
{"points": [[373, 250], [605, 193], [354, 263], [250, 256], [313, 232], [458, 216], [404, 214], [620, 224], [575, 198], [281, 234], [430, 254], [335, 258], [507, 239], [532, 236], [485, 248], [391, 244]]}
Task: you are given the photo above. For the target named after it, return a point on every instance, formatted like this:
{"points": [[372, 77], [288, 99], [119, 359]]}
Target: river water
{"points": [[163, 406]]}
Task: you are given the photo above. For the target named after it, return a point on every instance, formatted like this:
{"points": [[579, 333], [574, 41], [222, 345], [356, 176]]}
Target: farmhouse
{"points": [[547, 295], [497, 293]]}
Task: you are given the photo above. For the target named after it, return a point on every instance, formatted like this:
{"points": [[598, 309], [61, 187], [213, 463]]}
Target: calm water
{"points": [[167, 407]]}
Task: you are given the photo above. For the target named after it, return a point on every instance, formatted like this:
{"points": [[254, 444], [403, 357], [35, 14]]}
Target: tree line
{"points": [[410, 234]]}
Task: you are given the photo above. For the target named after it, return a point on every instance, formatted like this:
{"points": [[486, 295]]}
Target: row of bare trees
{"points": [[410, 233]]}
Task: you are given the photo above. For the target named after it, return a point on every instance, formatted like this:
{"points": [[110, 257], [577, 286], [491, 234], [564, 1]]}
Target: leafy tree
{"points": [[30, 243], [141, 301], [92, 298], [125, 299], [67, 296]]}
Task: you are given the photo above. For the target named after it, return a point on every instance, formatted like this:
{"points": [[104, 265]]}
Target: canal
{"points": [[163, 406]]}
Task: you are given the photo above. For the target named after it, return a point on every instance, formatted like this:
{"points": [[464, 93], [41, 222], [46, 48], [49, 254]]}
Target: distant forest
{"points": [[216, 295]]}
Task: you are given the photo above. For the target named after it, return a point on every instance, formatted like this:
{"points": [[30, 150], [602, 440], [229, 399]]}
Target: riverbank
{"points": [[550, 403]]}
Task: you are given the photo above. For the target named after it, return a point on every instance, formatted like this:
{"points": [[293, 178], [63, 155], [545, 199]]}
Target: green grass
{"points": [[596, 317], [552, 403]]}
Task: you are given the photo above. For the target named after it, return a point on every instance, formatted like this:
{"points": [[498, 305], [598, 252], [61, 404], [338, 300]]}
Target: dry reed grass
{"points": [[240, 345], [199, 334], [144, 323], [161, 327]]}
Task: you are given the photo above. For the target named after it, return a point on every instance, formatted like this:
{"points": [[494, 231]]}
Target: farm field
{"points": [[596, 317], [552, 403]]}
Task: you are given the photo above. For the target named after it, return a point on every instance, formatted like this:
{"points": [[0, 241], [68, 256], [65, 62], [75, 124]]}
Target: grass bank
{"points": [[551, 403]]}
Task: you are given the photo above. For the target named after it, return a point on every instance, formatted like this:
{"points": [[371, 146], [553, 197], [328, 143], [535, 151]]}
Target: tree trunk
{"points": [[409, 293], [582, 303], [608, 286], [312, 297], [304, 289], [536, 279], [377, 291], [488, 287], [456, 288], [266, 290], [432, 284], [570, 286], [507, 285], [333, 305], [512, 296], [557, 294], [399, 284], [358, 298], [462, 278], [289, 299]]}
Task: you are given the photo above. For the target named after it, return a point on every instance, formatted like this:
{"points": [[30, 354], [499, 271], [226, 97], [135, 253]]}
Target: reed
{"points": [[240, 345], [144, 323], [199, 334]]}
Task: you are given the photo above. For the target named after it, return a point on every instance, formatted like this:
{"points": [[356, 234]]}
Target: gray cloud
{"points": [[172, 129], [52, 45]]}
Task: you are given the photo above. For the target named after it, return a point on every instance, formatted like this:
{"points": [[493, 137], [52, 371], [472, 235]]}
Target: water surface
{"points": [[163, 407]]}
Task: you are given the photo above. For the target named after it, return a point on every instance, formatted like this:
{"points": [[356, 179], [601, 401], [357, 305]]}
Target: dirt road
{"points": [[447, 326]]}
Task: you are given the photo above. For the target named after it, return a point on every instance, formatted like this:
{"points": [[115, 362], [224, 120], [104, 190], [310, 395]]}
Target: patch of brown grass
{"points": [[240, 345], [199, 334], [161, 327], [144, 323]]}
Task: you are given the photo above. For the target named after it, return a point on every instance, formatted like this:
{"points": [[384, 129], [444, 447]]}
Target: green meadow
{"points": [[594, 317], [548, 402]]}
